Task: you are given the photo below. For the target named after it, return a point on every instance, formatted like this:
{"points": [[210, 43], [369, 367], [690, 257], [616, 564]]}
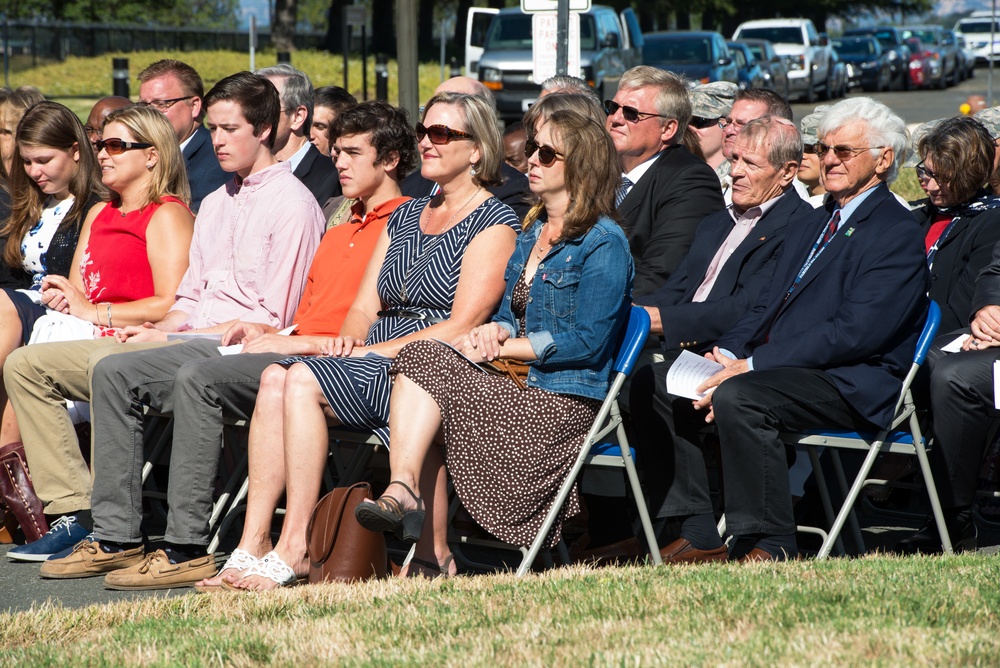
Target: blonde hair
{"points": [[483, 125], [169, 175]]}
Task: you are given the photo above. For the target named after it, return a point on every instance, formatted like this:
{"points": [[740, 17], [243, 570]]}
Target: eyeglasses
{"points": [[809, 148], [702, 123], [843, 153], [546, 154], [630, 114], [925, 174], [115, 146], [440, 134], [163, 105]]}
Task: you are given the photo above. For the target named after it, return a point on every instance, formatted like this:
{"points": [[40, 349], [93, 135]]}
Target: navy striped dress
{"points": [[424, 268]]}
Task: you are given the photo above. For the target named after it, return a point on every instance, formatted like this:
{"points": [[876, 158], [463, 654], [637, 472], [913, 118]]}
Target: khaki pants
{"points": [[39, 379]]}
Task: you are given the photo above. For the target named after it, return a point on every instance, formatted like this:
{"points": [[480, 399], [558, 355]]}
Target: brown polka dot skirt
{"points": [[507, 450]]}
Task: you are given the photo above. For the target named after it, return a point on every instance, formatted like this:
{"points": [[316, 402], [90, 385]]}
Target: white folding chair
{"points": [[595, 452], [904, 436]]}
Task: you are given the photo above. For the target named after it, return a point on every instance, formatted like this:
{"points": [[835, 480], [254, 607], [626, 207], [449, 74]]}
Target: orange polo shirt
{"points": [[337, 268]]}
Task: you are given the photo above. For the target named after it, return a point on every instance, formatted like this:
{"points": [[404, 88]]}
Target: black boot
{"points": [[927, 540]]}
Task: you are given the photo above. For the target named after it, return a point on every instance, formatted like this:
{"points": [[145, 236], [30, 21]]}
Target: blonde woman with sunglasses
{"points": [[130, 252]]}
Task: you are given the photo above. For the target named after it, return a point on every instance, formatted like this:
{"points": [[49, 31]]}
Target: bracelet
{"points": [[110, 326]]}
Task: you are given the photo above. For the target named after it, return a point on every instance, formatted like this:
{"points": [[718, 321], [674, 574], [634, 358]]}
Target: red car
{"points": [[920, 67]]}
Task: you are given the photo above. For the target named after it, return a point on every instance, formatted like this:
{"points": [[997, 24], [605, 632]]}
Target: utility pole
{"points": [[406, 57]]}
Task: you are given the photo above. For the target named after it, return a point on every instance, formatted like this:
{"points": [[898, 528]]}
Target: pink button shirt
{"points": [[252, 247]]}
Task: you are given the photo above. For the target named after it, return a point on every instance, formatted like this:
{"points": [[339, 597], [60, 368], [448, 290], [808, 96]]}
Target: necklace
{"points": [[541, 250], [421, 251]]}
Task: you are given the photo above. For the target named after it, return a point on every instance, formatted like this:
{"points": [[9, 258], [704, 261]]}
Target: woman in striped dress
{"points": [[436, 273]]}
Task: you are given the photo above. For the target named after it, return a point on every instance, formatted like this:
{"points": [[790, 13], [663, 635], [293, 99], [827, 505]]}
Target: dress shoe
{"points": [[622, 552], [157, 572], [757, 555], [682, 552], [88, 560], [927, 540]]}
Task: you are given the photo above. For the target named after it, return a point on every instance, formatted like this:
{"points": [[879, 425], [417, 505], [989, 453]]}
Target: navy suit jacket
{"points": [[747, 272], [317, 172], [661, 213], [203, 169], [856, 314], [513, 191]]}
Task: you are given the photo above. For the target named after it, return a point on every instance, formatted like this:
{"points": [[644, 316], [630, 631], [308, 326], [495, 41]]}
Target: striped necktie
{"points": [[623, 191]]}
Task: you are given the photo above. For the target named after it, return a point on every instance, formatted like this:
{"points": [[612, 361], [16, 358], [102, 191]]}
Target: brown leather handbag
{"points": [[340, 549], [18, 494], [516, 370]]}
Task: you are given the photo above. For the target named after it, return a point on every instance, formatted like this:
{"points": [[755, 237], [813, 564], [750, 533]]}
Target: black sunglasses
{"points": [[546, 154], [115, 146], [702, 123], [809, 148], [630, 114], [440, 134]]}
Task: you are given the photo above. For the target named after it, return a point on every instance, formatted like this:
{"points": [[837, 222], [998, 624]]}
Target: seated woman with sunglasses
{"points": [[436, 272], [131, 252], [508, 446]]}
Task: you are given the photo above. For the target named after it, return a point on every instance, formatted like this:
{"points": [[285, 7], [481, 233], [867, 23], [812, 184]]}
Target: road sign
{"points": [[543, 46], [531, 6], [355, 16]]}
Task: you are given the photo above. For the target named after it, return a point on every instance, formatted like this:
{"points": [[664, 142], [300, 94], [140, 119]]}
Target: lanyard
{"points": [[817, 248]]}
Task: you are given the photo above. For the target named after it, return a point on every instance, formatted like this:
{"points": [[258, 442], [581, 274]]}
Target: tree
{"points": [[283, 25], [202, 13]]}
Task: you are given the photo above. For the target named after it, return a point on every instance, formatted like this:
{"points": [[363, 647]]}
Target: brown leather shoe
{"points": [[682, 552], [756, 555], [622, 552]]}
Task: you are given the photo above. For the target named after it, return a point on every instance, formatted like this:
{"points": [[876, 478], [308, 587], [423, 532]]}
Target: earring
{"points": [[149, 166], [472, 170]]}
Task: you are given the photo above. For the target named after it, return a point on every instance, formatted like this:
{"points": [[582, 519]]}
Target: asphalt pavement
{"points": [[924, 105]]}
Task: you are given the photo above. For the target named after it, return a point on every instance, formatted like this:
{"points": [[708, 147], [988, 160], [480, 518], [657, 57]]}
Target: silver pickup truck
{"points": [[609, 44], [808, 54]]}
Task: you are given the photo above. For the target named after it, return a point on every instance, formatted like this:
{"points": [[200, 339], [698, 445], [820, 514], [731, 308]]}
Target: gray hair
{"points": [[778, 135], [564, 83], [298, 90], [672, 99], [882, 127]]}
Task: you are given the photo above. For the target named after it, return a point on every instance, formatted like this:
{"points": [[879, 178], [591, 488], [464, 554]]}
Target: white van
{"points": [[976, 30]]}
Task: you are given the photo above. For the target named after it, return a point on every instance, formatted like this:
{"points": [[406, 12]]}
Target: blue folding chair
{"points": [[904, 436], [595, 452]]}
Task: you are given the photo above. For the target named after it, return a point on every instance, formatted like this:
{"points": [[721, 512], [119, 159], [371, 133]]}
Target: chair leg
{"points": [[925, 469], [852, 496], [640, 502], [824, 496], [838, 469], [231, 514]]}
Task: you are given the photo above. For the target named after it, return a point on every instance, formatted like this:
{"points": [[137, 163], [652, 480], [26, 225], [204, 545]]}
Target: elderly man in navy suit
{"points": [[827, 345], [175, 89]]}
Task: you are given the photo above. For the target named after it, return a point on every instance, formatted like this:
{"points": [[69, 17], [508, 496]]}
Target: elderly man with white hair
{"points": [[830, 341]]}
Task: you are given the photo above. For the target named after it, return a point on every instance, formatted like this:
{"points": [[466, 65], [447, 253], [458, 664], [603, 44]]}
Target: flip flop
{"points": [[239, 560], [272, 567]]}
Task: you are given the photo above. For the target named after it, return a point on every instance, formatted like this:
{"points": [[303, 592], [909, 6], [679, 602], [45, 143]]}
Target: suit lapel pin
{"points": [[849, 232], [763, 238]]}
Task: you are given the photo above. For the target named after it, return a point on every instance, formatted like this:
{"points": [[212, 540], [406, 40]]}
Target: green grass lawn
{"points": [[873, 611]]}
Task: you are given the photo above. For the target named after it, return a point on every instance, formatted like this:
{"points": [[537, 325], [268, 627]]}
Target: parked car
{"points": [[920, 64], [894, 44], [941, 51], [982, 35], [773, 66], [867, 63], [610, 43], [748, 72], [699, 56], [838, 76], [968, 58], [809, 56]]}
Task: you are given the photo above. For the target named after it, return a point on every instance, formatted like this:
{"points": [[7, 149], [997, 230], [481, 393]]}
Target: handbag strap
{"points": [[330, 541]]}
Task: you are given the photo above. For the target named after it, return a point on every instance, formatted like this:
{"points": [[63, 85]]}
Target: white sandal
{"points": [[240, 560], [272, 567]]}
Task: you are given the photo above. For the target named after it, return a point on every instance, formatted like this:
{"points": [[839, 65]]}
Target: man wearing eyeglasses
{"points": [[291, 138], [175, 89], [829, 343], [666, 190]]}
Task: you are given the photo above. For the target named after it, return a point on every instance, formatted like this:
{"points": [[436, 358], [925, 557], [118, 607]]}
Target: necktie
{"points": [[623, 191], [831, 229]]}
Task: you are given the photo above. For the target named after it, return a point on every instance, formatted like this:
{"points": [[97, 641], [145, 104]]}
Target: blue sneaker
{"points": [[63, 534]]}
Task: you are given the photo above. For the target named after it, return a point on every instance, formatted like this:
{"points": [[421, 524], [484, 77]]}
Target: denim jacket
{"points": [[578, 305]]}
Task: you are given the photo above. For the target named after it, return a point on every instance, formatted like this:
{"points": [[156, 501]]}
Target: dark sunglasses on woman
{"points": [[115, 146], [546, 154], [440, 134]]}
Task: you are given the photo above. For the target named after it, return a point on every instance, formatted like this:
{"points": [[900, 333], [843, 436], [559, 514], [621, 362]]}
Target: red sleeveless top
{"points": [[115, 265]]}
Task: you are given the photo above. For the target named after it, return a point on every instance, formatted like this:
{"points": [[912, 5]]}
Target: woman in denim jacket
{"points": [[506, 446]]}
